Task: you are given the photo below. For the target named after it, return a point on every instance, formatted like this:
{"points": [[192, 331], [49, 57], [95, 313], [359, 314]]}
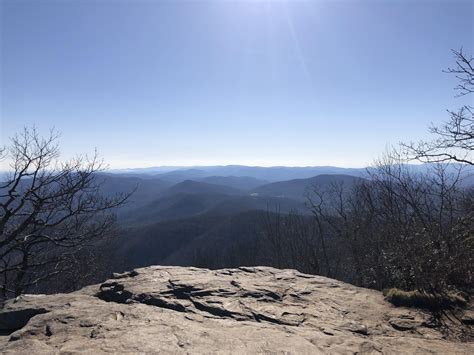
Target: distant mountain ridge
{"points": [[298, 188], [267, 174], [192, 186], [270, 174], [238, 182]]}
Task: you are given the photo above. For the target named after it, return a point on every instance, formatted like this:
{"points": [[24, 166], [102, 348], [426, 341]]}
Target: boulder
{"points": [[242, 310]]}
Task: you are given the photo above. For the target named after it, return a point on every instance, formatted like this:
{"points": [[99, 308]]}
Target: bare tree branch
{"points": [[454, 140], [48, 208]]}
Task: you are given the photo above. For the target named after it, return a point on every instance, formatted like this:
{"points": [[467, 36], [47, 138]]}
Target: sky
{"points": [[254, 82]]}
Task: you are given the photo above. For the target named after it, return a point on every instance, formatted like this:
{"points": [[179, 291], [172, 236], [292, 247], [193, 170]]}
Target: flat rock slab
{"points": [[244, 310]]}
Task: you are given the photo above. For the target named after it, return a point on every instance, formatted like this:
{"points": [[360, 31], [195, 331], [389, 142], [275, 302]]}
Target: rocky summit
{"points": [[243, 310]]}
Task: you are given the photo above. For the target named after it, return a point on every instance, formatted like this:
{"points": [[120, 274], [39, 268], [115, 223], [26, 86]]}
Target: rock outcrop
{"points": [[244, 310]]}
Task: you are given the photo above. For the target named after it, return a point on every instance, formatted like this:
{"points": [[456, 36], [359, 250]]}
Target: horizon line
{"points": [[238, 165], [251, 166]]}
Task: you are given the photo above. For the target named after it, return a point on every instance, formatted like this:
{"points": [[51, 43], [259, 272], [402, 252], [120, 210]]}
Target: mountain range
{"points": [[183, 215], [270, 174]]}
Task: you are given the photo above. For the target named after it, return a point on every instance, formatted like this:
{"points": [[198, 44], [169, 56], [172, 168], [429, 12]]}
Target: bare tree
{"points": [[290, 241], [455, 138], [418, 214], [49, 210], [404, 226], [400, 228], [464, 71]]}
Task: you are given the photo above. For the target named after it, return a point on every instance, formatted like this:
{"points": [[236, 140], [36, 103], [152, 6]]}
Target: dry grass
{"points": [[419, 299]]}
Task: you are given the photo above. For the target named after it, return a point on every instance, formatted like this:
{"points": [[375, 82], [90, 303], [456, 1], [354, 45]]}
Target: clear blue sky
{"points": [[230, 82]]}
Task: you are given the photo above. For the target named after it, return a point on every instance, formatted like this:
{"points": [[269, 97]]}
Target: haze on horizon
{"points": [[266, 83]]}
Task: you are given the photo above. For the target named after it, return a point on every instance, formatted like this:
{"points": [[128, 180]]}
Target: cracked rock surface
{"points": [[244, 310]]}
